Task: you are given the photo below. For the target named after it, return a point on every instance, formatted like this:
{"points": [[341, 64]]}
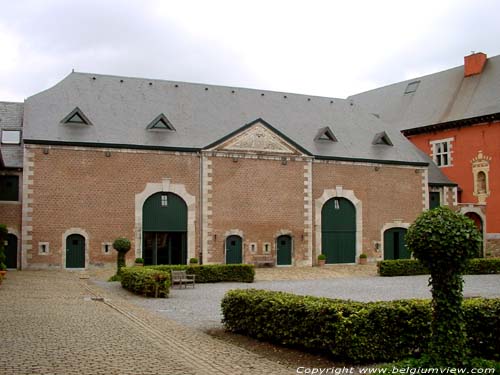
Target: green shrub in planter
{"points": [[139, 261], [193, 261], [145, 281], [214, 273], [363, 256], [321, 257]]}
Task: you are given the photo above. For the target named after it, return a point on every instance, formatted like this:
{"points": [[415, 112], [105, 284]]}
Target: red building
{"points": [[454, 117]]}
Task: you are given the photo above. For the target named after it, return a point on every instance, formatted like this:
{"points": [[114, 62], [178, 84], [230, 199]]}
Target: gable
{"points": [[258, 137]]}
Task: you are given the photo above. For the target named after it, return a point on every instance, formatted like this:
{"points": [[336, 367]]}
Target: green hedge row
{"points": [[145, 281], [350, 331], [214, 273], [409, 267]]}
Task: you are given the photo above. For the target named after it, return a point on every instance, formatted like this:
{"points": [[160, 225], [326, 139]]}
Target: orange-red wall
{"points": [[468, 141]]}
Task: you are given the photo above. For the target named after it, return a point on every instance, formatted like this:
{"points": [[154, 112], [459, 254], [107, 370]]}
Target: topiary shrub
{"points": [[122, 245], [443, 240], [3, 238]]}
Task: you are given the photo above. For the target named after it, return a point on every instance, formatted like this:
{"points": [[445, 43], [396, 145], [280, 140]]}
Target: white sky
{"points": [[328, 48]]}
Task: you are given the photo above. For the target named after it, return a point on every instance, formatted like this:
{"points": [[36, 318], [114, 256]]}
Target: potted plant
{"points": [[3, 258], [321, 260], [193, 261], [363, 258], [139, 262]]}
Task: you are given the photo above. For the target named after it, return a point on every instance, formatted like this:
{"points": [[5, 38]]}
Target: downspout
{"points": [[200, 205]]}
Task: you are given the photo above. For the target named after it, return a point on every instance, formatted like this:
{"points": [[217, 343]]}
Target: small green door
{"points": [[233, 250], [75, 251], [338, 231], [395, 245], [284, 247], [434, 199], [11, 251]]}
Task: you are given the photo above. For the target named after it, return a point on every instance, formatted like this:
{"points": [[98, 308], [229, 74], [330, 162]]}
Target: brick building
{"points": [[186, 170], [454, 117]]}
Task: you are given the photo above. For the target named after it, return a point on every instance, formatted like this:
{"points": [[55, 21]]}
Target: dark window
{"points": [[75, 242], [76, 119], [9, 188], [233, 243]]}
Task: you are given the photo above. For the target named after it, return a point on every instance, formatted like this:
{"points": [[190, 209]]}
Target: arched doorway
{"points": [[164, 229], [395, 245], [234, 253], [338, 231], [75, 251], [479, 225], [11, 251], [284, 250]]}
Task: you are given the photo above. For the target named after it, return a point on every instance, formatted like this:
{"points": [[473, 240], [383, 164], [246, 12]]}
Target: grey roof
{"points": [[11, 118], [435, 174], [441, 97], [120, 109]]}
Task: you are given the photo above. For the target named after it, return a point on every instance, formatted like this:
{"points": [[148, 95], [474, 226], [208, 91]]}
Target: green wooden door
{"points": [[434, 199], [395, 245], [75, 251], [284, 250], [338, 231], [11, 251], [233, 250]]}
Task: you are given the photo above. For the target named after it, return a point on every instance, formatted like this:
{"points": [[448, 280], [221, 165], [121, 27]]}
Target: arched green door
{"points": [[164, 226], [284, 251], [75, 251], [11, 251], [234, 254], [395, 245], [338, 231]]}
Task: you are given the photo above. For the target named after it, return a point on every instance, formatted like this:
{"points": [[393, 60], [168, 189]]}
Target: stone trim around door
{"points": [[166, 187], [478, 211], [69, 232], [394, 224], [285, 232], [235, 232], [340, 192]]}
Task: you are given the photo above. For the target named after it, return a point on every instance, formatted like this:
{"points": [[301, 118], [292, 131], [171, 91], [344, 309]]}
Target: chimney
{"points": [[474, 64]]}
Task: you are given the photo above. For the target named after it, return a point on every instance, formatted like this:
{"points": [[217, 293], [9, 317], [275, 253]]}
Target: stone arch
{"points": [[340, 192], [390, 225], [81, 232], [166, 187], [479, 212]]}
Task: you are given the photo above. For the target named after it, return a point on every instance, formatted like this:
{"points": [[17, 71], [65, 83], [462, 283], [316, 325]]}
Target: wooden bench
{"points": [[263, 261], [182, 278]]}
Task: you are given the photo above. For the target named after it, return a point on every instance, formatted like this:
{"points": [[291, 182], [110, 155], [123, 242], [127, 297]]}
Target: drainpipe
{"points": [[200, 205]]}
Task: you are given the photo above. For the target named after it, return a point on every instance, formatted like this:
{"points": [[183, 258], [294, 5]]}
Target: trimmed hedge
{"points": [[410, 267], [214, 273], [147, 282], [350, 331]]}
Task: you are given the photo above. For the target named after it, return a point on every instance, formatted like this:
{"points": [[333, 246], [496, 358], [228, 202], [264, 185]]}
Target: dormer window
{"points": [[325, 135], [382, 139], [412, 87], [11, 137], [161, 123], [76, 117]]}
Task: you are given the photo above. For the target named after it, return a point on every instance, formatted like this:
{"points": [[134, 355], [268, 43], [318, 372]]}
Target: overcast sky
{"points": [[328, 48]]}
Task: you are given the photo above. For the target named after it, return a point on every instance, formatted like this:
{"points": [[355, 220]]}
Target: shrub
{"points": [[409, 267], [122, 245], [139, 260], [363, 256], [214, 273], [145, 281], [443, 240], [350, 331], [193, 261], [321, 257]]}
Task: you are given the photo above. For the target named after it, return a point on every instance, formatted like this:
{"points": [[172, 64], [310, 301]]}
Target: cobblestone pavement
{"points": [[53, 322]]}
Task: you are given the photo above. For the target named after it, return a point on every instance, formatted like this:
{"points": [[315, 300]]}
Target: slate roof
{"points": [[11, 118], [120, 109], [442, 97]]}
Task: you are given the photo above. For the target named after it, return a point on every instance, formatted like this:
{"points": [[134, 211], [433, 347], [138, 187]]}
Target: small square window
{"points": [[43, 248], [107, 247], [441, 151], [164, 200], [12, 137], [253, 247], [267, 248]]}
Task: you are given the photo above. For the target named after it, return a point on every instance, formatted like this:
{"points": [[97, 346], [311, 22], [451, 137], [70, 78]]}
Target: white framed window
{"points": [[11, 137], [43, 248], [266, 247], [442, 152], [107, 248], [253, 247], [164, 200]]}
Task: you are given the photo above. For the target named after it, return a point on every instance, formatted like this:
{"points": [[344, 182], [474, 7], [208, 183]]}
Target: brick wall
{"points": [[11, 215]]}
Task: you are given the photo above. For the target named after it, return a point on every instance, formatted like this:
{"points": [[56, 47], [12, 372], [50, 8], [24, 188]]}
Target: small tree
{"points": [[3, 238], [443, 240], [122, 245]]}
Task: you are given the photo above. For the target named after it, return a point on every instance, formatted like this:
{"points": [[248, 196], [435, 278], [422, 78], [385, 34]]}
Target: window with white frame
{"points": [[441, 152], [107, 247], [43, 248]]}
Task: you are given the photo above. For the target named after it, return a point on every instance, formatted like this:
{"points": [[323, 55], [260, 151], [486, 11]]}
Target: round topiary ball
{"points": [[442, 239], [122, 245]]}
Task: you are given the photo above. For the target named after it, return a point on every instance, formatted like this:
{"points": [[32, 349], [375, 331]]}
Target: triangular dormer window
{"points": [[382, 139], [76, 117], [325, 135], [161, 123]]}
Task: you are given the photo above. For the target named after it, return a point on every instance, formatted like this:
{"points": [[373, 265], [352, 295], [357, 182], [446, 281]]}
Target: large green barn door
{"points": [[284, 250], [338, 231], [75, 251], [11, 251], [394, 244], [233, 250], [164, 217]]}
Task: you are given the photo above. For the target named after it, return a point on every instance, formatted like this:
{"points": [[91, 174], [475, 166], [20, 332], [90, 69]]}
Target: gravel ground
{"points": [[200, 307]]}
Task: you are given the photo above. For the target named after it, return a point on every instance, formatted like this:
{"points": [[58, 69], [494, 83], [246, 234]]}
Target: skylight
{"points": [[412, 87]]}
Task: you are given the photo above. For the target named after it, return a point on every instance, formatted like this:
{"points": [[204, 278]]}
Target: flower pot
{"points": [[321, 262], [3, 273], [363, 260]]}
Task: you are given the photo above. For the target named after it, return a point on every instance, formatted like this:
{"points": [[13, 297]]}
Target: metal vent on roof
{"points": [[412, 87], [76, 117], [325, 135], [382, 139], [161, 123]]}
